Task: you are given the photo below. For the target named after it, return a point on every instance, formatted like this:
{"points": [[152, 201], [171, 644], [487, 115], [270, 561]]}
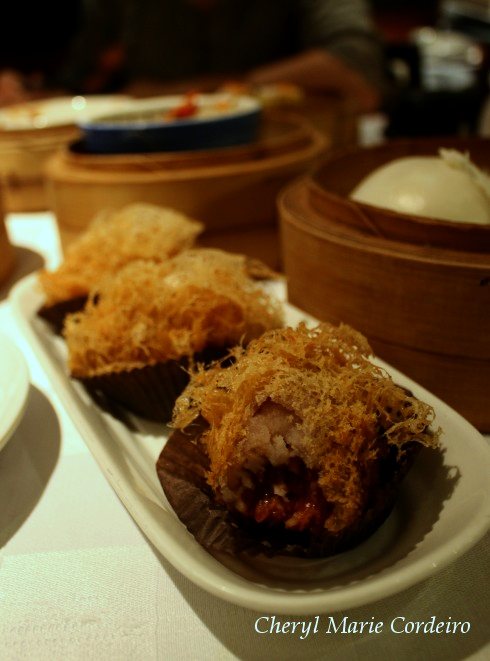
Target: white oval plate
{"points": [[14, 388], [443, 508], [59, 111]]}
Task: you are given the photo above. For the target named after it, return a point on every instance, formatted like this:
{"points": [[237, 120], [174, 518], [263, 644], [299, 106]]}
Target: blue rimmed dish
{"points": [[175, 123]]}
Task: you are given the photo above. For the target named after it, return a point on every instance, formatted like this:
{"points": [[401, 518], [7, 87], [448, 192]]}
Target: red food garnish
{"points": [[270, 509], [303, 505], [188, 108]]}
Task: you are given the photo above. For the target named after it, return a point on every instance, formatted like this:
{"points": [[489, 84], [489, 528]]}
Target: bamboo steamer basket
{"points": [[23, 155], [331, 184], [7, 254], [424, 307], [259, 242], [31, 132], [225, 188]]}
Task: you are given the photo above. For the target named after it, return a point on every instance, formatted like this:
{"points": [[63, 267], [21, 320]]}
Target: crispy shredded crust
{"points": [[114, 239], [149, 313], [339, 404]]}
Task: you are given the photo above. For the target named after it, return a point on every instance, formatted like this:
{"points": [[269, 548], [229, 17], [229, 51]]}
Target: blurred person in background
{"points": [[35, 37], [149, 47]]}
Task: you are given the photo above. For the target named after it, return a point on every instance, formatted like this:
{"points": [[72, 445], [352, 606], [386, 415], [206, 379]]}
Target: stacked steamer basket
{"points": [[418, 288], [30, 133], [232, 190], [23, 155], [7, 255]]}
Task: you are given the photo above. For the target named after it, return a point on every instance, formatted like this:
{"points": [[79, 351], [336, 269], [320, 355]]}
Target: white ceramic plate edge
{"points": [[60, 111], [17, 403]]}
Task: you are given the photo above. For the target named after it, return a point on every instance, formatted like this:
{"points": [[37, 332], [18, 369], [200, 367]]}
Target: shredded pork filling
{"points": [[287, 495], [274, 486]]}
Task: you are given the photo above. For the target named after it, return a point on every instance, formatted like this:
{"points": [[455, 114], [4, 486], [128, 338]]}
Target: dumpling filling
{"points": [[274, 485]]}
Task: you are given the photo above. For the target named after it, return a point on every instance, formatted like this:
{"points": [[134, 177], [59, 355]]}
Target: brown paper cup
{"points": [[150, 391], [182, 468], [55, 314]]}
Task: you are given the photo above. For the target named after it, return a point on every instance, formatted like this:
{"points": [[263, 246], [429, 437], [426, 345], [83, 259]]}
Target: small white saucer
{"points": [[14, 388]]}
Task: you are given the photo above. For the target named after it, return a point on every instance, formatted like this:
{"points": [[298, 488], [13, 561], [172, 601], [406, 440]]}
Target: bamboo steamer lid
{"points": [[425, 309]]}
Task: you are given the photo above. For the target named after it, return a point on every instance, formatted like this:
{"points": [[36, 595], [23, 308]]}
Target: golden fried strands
{"points": [[149, 313], [336, 403], [114, 239]]}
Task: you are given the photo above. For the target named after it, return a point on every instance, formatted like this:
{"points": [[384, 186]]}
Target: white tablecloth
{"points": [[78, 580]]}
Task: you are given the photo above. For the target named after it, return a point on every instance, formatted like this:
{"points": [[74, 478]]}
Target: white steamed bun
{"points": [[448, 187]]}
